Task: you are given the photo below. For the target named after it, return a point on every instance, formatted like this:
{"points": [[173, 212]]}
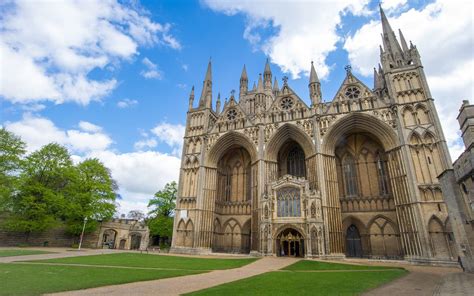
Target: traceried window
{"points": [[231, 114], [288, 202], [350, 176], [382, 175], [295, 162], [352, 92], [286, 103]]}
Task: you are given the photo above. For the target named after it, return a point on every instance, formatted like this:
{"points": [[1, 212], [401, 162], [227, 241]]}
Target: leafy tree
{"points": [[162, 207], [43, 182], [136, 214], [91, 195], [12, 149]]}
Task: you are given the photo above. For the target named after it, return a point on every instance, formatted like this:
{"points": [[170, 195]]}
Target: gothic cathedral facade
{"points": [[355, 176]]}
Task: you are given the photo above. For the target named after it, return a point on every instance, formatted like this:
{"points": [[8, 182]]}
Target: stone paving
{"points": [[456, 284], [56, 253]]}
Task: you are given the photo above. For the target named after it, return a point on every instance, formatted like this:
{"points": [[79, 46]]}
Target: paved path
{"points": [[57, 253], [456, 284], [190, 283]]}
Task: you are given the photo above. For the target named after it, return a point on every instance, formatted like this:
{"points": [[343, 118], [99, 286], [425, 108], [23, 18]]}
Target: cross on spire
{"points": [[285, 80], [348, 69]]}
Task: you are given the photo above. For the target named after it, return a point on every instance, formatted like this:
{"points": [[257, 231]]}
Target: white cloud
{"points": [[145, 143], [125, 103], [171, 134], [138, 174], [152, 71], [443, 35], [48, 48], [306, 30]]}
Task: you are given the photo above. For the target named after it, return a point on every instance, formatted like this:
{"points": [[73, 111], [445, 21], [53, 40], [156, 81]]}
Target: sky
{"points": [[111, 79]]}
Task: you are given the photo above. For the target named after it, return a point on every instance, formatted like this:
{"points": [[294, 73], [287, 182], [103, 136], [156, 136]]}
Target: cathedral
{"points": [[355, 176]]}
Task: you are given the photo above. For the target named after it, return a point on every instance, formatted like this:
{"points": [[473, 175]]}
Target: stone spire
{"points": [[276, 88], [244, 82], [254, 87], [260, 84], [314, 86], [267, 76], [390, 42], [402, 40], [191, 98], [218, 103], [206, 96]]}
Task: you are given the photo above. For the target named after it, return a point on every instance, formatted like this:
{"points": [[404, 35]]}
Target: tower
{"points": [[314, 87]]}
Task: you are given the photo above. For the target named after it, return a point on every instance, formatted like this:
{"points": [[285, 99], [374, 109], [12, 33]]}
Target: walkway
{"points": [[56, 253], [190, 283]]}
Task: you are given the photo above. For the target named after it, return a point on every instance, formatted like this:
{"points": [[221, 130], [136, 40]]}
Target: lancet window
{"points": [[382, 175], [350, 176]]}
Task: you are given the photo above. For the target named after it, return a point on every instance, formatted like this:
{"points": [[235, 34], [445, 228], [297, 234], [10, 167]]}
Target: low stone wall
{"points": [[56, 237]]}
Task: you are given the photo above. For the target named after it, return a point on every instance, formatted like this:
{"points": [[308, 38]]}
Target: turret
{"points": [[206, 96], [466, 122], [267, 76], [244, 83], [314, 87], [191, 98], [276, 88], [218, 103]]}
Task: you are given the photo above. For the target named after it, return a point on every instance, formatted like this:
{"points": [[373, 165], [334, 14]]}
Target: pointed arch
{"points": [[226, 142], [438, 238], [359, 122], [288, 132], [414, 138]]}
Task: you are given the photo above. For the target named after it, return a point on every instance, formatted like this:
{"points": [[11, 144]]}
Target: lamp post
{"points": [[82, 233]]}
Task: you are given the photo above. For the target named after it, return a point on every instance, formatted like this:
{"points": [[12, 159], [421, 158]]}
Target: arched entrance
{"points": [[135, 241], [353, 242], [290, 243], [108, 238]]}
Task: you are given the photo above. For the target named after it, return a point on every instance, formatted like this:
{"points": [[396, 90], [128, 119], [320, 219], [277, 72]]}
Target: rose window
{"points": [[352, 92], [231, 114], [286, 103]]}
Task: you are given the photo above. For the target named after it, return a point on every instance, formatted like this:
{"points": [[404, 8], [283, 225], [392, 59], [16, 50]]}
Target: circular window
{"points": [[352, 92], [231, 114], [286, 103]]}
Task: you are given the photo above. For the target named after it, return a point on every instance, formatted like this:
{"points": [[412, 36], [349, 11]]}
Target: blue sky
{"points": [[111, 79]]}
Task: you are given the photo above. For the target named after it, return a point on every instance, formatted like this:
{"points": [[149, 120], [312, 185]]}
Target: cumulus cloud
{"points": [[139, 174], [443, 35], [125, 103], [305, 30], [152, 71], [49, 48]]}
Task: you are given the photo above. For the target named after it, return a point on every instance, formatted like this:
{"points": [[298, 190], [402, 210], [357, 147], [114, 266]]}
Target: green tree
{"points": [[162, 207], [91, 195], [40, 198], [12, 149]]}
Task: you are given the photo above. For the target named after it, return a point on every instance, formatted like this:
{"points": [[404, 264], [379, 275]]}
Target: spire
{"points": [[402, 40], [390, 42], [206, 95], [254, 86], [267, 76], [314, 86], [313, 77], [260, 84], [191, 98], [218, 103], [244, 82], [276, 88]]}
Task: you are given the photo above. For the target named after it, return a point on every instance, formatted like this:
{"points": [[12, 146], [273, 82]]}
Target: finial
{"points": [[285, 80], [348, 69], [232, 92]]}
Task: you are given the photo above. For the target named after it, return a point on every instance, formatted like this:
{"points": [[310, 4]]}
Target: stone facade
{"points": [[354, 176], [125, 234], [458, 185]]}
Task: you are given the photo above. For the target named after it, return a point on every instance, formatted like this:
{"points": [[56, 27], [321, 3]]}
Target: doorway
{"points": [[290, 243], [353, 242]]}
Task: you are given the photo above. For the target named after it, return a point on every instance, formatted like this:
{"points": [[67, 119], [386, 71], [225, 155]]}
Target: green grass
{"points": [[318, 265], [19, 252], [36, 279], [156, 261], [305, 283]]}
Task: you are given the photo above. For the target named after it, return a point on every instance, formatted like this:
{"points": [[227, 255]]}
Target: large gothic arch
{"points": [[288, 132], [358, 122], [228, 141]]}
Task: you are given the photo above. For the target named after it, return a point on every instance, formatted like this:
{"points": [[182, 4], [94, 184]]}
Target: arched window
{"points": [[350, 175], [288, 202], [382, 175], [295, 162]]}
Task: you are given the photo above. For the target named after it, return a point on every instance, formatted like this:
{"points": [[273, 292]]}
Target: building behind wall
{"points": [[459, 187], [354, 176]]}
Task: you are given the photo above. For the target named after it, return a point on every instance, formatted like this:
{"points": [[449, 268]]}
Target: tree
{"points": [[12, 149], [162, 206], [91, 195], [39, 200], [136, 214]]}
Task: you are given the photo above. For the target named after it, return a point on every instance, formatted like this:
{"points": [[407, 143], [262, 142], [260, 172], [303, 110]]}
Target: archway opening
{"points": [[135, 241], [291, 160], [290, 243], [108, 238], [234, 176]]}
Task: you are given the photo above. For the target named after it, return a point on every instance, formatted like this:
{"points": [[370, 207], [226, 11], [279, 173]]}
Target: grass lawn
{"points": [[319, 265], [36, 279], [310, 278], [19, 252], [157, 261]]}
